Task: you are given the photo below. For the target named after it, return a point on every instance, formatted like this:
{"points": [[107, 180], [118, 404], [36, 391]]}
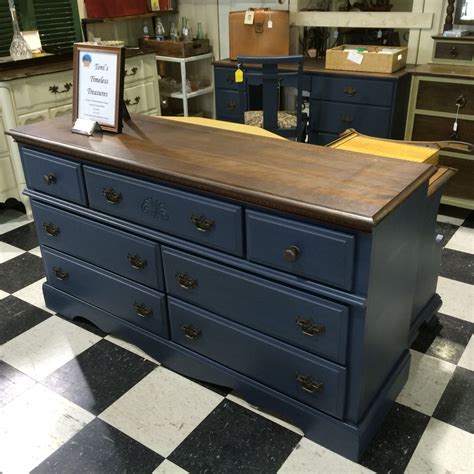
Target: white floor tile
{"points": [[11, 219], [46, 347], [161, 410], [167, 467], [467, 358], [33, 294], [443, 449], [462, 240], [36, 251], [236, 399], [34, 425], [3, 295], [458, 298], [426, 383], [309, 457], [7, 252], [130, 347]]}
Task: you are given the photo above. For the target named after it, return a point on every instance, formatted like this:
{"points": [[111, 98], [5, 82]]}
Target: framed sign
{"points": [[98, 85]]}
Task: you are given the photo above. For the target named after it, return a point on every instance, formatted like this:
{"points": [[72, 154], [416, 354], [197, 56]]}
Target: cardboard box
{"points": [[382, 59]]}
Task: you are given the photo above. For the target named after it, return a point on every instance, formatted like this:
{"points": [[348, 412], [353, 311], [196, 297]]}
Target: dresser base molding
{"points": [[343, 438], [427, 316]]}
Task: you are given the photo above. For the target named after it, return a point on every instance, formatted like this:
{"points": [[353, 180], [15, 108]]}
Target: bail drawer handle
{"points": [[111, 196], [60, 273], [292, 253], [128, 74], [135, 102], [461, 101], [454, 52], [231, 105], [136, 261], [203, 224], [309, 385], [142, 310], [347, 119], [191, 332], [185, 281], [49, 179], [309, 327], [55, 89], [350, 91], [51, 229]]}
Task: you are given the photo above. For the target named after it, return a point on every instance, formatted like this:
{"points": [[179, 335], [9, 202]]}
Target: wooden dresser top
{"points": [[350, 189]]}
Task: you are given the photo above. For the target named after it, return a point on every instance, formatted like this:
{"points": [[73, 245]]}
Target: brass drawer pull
{"points": [[142, 310], [185, 281], [309, 385], [55, 89], [51, 229], [129, 102], [292, 253], [203, 224], [461, 101], [111, 196], [60, 274], [347, 119], [49, 179], [350, 91], [134, 71], [136, 261], [231, 105], [454, 52], [191, 332], [310, 328]]}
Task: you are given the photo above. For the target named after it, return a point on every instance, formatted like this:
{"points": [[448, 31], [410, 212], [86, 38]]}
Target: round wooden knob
{"points": [[292, 253]]}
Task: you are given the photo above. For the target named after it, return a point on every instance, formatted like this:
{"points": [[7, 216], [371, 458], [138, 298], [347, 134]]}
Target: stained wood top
{"points": [[445, 70], [346, 188]]}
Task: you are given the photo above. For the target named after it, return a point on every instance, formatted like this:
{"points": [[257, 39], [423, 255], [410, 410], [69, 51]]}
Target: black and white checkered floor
{"points": [[75, 400]]}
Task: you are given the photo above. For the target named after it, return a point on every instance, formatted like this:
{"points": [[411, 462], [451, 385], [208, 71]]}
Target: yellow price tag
{"points": [[239, 75]]}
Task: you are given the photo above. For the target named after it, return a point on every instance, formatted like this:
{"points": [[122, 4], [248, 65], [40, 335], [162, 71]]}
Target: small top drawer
{"points": [[54, 176], [206, 221], [225, 78], [306, 250], [349, 89], [454, 51]]}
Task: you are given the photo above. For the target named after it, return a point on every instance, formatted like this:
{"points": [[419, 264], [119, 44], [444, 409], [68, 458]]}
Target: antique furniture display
{"points": [[291, 281]]}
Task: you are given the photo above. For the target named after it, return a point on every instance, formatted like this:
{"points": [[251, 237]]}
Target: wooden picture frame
{"points": [[98, 91]]}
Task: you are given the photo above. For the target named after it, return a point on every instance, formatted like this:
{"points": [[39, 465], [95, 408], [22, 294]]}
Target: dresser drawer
{"points": [[141, 98], [349, 89], [302, 249], [228, 104], [442, 96], [206, 221], [300, 375], [315, 324], [130, 256], [135, 303], [454, 51], [139, 68], [334, 118], [225, 78], [54, 176]]}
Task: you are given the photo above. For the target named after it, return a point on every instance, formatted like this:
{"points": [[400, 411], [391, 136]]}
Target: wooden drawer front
{"points": [[429, 128], [139, 68], [54, 176], [336, 117], [348, 89], [130, 301], [225, 78], [132, 257], [42, 90], [442, 97], [228, 105], [312, 323], [461, 185], [306, 250], [307, 378], [202, 220], [140, 98], [454, 50]]}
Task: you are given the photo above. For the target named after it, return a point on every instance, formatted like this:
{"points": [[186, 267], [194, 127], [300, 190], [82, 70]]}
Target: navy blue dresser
{"points": [[291, 281]]}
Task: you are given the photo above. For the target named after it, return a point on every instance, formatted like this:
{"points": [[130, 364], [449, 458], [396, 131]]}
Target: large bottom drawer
{"points": [[307, 378], [135, 303]]}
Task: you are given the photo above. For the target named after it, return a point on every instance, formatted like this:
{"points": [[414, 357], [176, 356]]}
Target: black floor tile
{"points": [[469, 222], [100, 448], [446, 230], [23, 237], [456, 406], [457, 266], [453, 211], [12, 383], [17, 316], [99, 376], [85, 324], [20, 271], [232, 439], [392, 447], [447, 341]]}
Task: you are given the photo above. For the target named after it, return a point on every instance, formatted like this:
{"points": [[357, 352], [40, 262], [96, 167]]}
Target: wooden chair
{"points": [[265, 71]]}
